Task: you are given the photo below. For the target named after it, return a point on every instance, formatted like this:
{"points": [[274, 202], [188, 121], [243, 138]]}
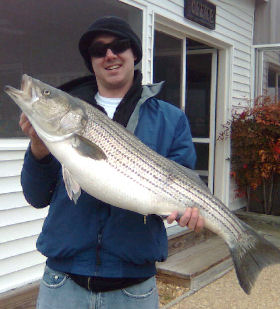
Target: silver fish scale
{"points": [[129, 156]]}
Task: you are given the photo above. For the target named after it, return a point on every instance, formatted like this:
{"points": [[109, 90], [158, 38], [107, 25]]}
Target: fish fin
{"points": [[251, 256], [88, 149], [72, 187]]}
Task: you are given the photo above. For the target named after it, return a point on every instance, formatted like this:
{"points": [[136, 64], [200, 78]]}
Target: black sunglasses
{"points": [[99, 49]]}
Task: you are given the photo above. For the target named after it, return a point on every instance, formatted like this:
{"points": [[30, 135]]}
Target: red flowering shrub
{"points": [[255, 145]]}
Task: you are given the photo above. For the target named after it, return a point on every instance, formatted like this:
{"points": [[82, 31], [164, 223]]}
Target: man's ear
{"points": [[134, 54]]}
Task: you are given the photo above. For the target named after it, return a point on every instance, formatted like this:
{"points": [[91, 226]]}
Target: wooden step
{"points": [[197, 266], [182, 238]]}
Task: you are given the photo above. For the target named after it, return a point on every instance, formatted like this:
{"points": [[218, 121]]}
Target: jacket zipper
{"points": [[98, 248]]}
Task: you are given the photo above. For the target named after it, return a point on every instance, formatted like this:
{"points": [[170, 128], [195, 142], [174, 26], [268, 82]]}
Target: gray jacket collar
{"points": [[148, 92], [151, 90]]}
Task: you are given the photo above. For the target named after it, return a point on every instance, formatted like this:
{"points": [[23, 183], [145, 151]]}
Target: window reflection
{"points": [[271, 72], [198, 93], [41, 40], [202, 162], [167, 66]]}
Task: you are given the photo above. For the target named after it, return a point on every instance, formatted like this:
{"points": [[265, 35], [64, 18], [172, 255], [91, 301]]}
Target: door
{"points": [[189, 69]]}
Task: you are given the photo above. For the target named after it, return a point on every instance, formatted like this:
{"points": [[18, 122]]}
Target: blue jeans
{"points": [[58, 291]]}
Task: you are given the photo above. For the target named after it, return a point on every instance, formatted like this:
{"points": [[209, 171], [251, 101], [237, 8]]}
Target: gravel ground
{"points": [[225, 293], [168, 292]]}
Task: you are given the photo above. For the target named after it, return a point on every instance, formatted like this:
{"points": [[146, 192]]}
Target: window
{"points": [[40, 39], [167, 66], [273, 82], [198, 93], [268, 71]]}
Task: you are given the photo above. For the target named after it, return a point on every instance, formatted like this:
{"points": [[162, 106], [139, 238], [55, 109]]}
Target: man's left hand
{"points": [[191, 218]]}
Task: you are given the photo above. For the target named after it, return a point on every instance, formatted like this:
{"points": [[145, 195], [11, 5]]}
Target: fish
{"points": [[110, 163]]}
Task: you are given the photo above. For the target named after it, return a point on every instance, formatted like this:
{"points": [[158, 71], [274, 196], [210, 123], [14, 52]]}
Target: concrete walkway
{"points": [[225, 293]]}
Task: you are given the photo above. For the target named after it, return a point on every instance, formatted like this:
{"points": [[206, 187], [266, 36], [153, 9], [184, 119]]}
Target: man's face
{"points": [[114, 71]]}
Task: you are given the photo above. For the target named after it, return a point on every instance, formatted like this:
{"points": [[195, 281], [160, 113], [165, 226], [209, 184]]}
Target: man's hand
{"points": [[190, 218], [38, 148]]}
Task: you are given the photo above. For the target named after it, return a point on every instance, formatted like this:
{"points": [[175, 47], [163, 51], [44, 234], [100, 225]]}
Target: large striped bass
{"points": [[101, 157]]}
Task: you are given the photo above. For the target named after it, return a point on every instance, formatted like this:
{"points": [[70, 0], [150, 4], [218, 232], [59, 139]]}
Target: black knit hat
{"points": [[112, 25]]}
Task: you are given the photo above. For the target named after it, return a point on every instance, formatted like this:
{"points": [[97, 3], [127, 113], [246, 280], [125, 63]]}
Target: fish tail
{"points": [[250, 255]]}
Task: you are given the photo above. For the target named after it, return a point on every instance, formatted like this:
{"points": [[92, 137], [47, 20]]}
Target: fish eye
{"points": [[46, 92]]}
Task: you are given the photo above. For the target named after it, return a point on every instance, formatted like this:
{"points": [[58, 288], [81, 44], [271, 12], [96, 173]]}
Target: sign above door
{"points": [[201, 11]]}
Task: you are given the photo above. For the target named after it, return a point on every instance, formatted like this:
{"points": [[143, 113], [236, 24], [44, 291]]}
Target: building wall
{"points": [[267, 22], [20, 224], [234, 27]]}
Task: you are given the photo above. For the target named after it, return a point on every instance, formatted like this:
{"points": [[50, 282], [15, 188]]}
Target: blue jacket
{"points": [[93, 238]]}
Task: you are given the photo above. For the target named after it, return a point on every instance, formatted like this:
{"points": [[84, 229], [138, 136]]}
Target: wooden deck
{"points": [[22, 298], [198, 265]]}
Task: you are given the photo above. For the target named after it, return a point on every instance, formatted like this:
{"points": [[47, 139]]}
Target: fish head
{"points": [[53, 113]]}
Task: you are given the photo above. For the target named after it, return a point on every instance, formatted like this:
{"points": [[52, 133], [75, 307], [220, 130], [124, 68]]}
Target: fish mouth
{"points": [[13, 92], [25, 93]]}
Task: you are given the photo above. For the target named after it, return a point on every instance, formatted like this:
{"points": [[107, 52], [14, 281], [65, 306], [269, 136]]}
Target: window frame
{"points": [[259, 51]]}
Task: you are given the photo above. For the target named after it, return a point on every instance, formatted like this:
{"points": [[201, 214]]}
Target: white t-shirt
{"points": [[109, 104]]}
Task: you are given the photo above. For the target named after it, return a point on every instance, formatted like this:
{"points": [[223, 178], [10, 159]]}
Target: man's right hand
{"points": [[38, 148]]}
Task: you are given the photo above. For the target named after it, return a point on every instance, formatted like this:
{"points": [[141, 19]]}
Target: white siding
{"points": [[20, 223], [238, 22]]}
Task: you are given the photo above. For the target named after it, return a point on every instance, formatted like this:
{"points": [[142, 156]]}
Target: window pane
{"points": [[271, 68], [202, 152], [198, 93], [278, 87], [271, 82], [167, 66], [40, 38]]}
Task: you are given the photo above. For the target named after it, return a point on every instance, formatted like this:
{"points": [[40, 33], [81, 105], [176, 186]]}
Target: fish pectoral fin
{"points": [[88, 149], [72, 187]]}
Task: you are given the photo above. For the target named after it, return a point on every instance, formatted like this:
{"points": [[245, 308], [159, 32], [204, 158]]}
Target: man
{"points": [[100, 255]]}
